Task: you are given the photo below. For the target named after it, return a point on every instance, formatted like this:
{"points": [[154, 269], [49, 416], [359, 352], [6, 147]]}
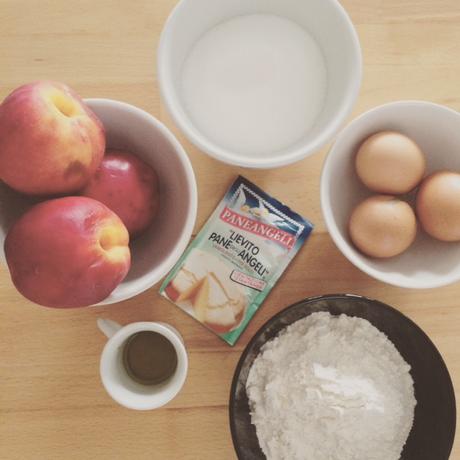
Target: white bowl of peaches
{"points": [[97, 201], [390, 194]]}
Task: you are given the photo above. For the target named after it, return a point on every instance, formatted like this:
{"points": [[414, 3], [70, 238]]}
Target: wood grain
{"points": [[52, 405]]}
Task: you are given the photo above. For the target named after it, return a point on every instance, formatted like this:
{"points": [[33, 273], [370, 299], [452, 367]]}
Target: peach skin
{"points": [[129, 187], [50, 141], [68, 252]]}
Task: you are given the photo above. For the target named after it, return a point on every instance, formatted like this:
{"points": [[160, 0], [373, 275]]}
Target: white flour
{"points": [[255, 84], [331, 388]]}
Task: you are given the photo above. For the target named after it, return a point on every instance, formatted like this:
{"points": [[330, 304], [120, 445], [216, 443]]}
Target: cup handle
{"points": [[108, 327]]}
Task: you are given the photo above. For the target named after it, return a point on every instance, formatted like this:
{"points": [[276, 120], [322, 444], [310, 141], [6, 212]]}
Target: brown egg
{"points": [[382, 226], [438, 205], [389, 162]]}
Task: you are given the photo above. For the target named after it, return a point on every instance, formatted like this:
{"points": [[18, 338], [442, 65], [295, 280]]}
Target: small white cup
{"points": [[119, 385]]}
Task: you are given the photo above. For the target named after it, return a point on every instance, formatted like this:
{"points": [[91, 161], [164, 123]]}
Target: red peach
{"points": [[68, 252], [50, 141], [129, 187]]}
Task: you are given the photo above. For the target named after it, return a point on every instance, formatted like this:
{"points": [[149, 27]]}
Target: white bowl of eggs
{"points": [[390, 194]]}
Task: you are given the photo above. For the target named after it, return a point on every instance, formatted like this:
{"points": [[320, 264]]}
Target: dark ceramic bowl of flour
{"points": [[433, 431]]}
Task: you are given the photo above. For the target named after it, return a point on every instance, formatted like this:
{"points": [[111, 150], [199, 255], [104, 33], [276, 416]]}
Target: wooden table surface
{"points": [[52, 405]]}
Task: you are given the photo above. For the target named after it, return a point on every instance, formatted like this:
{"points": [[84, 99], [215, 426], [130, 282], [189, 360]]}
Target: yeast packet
{"points": [[236, 259]]}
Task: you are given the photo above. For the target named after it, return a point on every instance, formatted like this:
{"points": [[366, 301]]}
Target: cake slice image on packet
{"points": [[236, 259]]}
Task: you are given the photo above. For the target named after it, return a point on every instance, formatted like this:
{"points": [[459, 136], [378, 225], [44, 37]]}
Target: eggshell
{"points": [[382, 226], [438, 205], [389, 162]]}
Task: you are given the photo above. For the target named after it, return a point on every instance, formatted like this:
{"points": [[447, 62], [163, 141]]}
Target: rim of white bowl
{"points": [[187, 230], [339, 240], [290, 155]]}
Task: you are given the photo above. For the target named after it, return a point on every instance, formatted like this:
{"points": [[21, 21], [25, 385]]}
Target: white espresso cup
{"points": [[119, 385]]}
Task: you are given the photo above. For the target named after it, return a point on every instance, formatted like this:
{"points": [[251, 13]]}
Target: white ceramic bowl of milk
{"points": [[259, 83]]}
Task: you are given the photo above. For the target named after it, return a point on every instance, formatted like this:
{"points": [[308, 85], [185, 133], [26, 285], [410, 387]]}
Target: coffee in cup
{"points": [[149, 358]]}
